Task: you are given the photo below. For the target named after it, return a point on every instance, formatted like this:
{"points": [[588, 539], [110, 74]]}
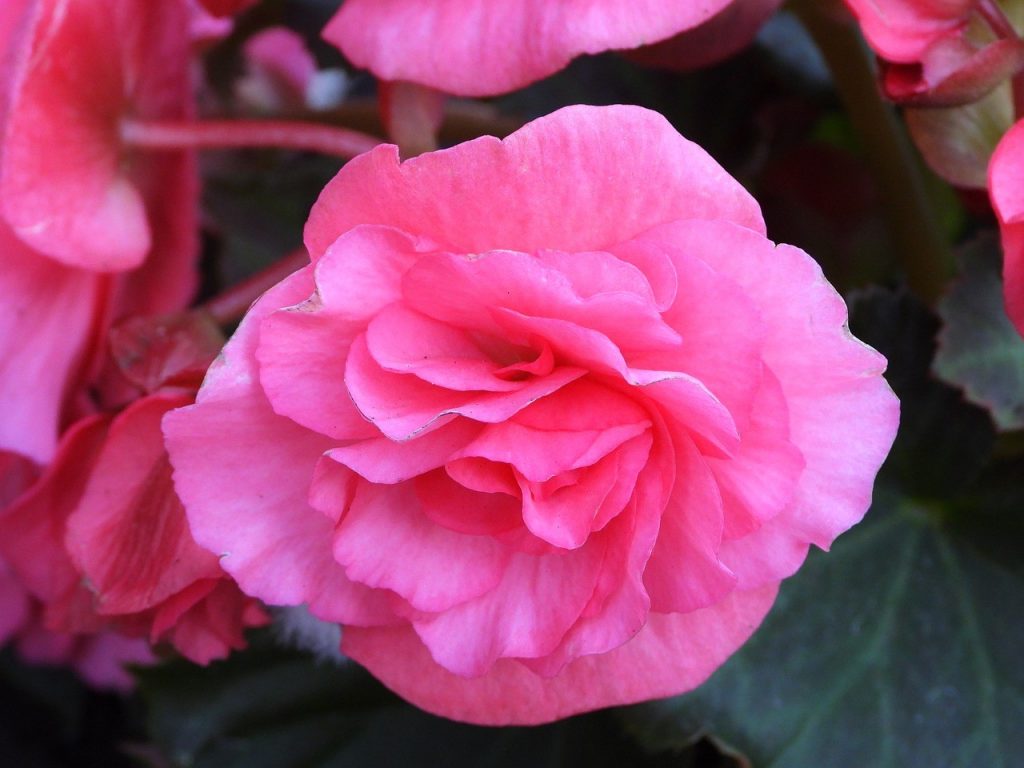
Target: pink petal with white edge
{"points": [[537, 189], [384, 541], [45, 335], [842, 413], [243, 474], [672, 654], [479, 48], [1006, 173]]}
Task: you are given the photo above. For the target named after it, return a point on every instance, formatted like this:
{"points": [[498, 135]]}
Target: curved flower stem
{"points": [[229, 306], [210, 134], [913, 222]]}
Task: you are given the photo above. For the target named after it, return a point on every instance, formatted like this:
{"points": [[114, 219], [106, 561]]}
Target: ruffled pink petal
{"points": [[243, 474], [1006, 172], [684, 572], [45, 342], [537, 189], [843, 415], [527, 614], [214, 626], [380, 460], [760, 478], [384, 541], [463, 505], [128, 535], [402, 406], [478, 48], [672, 654]]}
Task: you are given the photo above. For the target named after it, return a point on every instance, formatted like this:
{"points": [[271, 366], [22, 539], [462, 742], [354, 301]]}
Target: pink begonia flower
{"points": [[1006, 188], [725, 35], [92, 231], [543, 426], [940, 52], [102, 541], [483, 48]]}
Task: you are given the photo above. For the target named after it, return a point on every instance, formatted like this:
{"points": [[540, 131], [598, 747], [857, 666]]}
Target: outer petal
{"points": [[539, 188], [243, 474], [673, 653], [480, 48], [1006, 186], [45, 333], [843, 416], [901, 30], [128, 535]]}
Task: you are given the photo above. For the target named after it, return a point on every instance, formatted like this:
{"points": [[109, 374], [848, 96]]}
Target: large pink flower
{"points": [[1006, 188], [543, 426], [480, 48]]}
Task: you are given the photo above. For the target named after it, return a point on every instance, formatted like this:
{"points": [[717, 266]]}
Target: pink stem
{"points": [[229, 307], [284, 134]]}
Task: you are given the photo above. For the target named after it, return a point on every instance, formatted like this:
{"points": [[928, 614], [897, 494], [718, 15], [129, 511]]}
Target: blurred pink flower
{"points": [[543, 426], [482, 48]]}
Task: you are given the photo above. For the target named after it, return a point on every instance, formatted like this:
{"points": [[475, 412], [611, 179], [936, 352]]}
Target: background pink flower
{"points": [[478, 48], [543, 426], [1006, 187]]}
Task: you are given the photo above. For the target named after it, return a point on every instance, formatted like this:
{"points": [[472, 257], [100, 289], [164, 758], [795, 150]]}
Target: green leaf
{"points": [[273, 708], [900, 647], [979, 349]]}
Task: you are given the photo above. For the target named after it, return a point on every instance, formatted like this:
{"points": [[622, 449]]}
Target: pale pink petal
{"points": [[260, 522], [672, 654], [384, 541], [901, 30], [1006, 172], [537, 189], [480, 48]]}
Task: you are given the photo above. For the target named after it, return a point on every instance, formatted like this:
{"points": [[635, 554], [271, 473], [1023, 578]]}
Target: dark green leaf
{"points": [[979, 349]]}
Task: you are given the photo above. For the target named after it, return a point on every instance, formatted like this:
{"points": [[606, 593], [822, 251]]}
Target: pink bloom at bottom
{"points": [[544, 424]]}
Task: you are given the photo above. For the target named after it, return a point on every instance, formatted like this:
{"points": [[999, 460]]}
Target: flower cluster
{"points": [[542, 422]]}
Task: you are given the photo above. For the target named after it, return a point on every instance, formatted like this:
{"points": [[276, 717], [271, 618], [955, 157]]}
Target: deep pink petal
{"points": [[672, 654], [464, 506], [478, 48], [45, 342], [537, 189], [128, 535]]}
